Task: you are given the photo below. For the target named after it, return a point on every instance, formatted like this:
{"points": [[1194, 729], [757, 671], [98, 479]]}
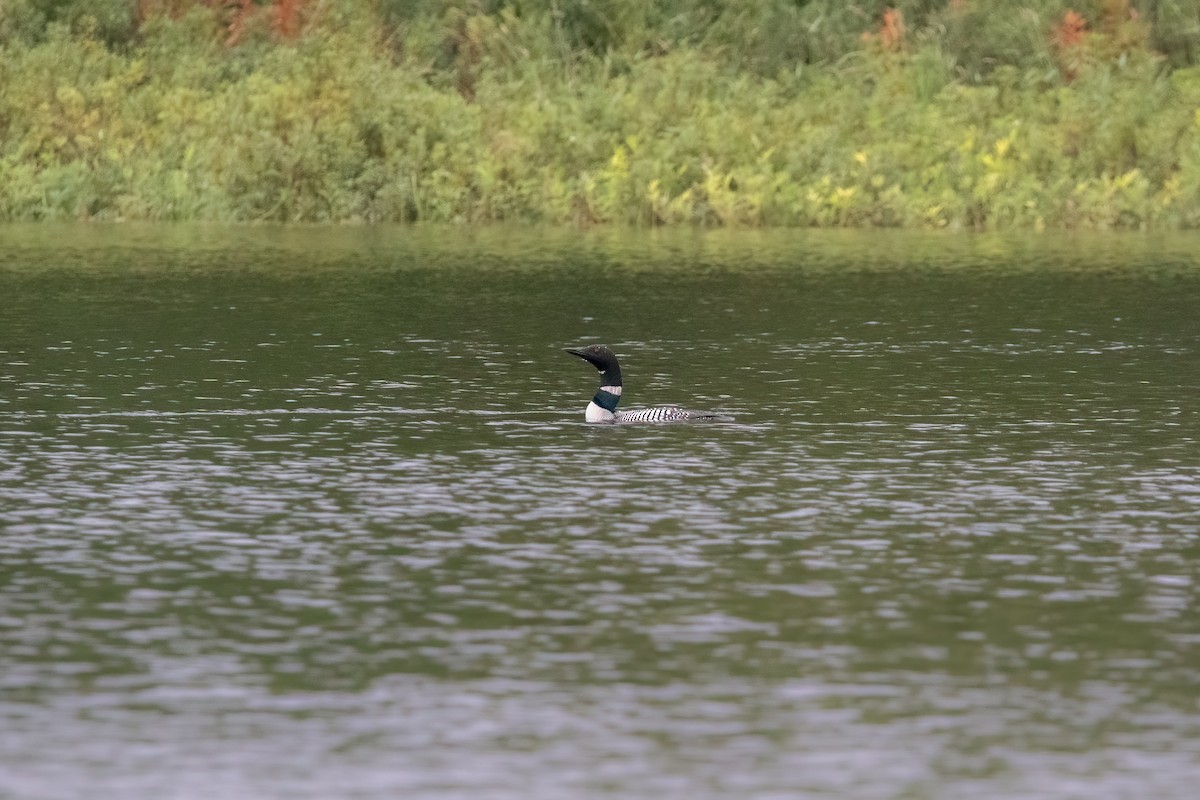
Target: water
{"points": [[313, 513]]}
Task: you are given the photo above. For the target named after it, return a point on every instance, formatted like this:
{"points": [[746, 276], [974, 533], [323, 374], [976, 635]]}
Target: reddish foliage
{"points": [[1071, 30], [287, 18], [238, 16], [891, 33]]}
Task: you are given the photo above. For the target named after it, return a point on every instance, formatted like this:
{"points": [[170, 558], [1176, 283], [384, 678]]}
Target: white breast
{"points": [[595, 413]]}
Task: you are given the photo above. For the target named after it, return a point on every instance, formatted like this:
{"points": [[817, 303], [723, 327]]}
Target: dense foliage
{"points": [[961, 113]]}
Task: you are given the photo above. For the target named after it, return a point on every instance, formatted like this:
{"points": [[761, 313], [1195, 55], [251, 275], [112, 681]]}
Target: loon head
{"points": [[603, 407], [603, 359]]}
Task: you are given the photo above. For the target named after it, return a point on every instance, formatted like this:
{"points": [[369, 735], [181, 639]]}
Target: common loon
{"points": [[603, 407]]}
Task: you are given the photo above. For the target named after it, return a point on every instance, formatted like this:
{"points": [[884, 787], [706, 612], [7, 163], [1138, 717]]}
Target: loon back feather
{"points": [[603, 407], [663, 414]]}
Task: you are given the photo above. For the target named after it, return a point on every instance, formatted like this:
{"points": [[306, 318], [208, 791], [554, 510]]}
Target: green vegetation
{"points": [[926, 113]]}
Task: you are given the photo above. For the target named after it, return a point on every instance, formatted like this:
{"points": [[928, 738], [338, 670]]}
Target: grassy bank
{"points": [[936, 114]]}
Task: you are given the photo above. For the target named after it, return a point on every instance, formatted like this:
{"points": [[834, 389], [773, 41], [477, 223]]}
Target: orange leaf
{"points": [[1071, 30], [287, 18], [891, 33]]}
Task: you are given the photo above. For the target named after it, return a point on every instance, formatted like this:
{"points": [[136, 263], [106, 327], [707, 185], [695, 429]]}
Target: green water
{"points": [[313, 513]]}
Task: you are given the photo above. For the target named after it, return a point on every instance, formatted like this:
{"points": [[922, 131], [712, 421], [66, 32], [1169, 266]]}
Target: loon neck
{"points": [[607, 397], [603, 407]]}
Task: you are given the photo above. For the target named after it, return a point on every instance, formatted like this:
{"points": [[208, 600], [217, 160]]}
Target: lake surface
{"points": [[313, 513]]}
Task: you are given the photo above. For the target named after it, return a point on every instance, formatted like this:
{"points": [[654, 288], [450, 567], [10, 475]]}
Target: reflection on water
{"points": [[294, 513]]}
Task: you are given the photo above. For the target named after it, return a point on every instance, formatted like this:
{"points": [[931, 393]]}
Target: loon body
{"points": [[603, 407]]}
